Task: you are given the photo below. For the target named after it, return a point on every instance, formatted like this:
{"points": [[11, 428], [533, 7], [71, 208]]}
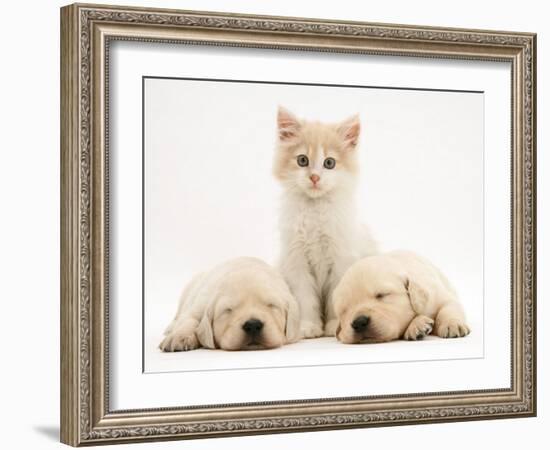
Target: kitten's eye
{"points": [[302, 160], [380, 296], [329, 163]]}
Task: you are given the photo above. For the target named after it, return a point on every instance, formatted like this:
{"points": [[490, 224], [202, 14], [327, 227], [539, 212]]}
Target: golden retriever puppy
{"points": [[396, 295], [242, 304]]}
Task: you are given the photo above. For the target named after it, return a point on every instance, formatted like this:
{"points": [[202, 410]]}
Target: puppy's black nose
{"points": [[253, 326], [360, 323]]}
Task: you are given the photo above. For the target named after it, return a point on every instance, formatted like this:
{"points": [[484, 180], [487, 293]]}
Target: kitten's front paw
{"points": [[179, 343], [452, 328], [310, 330], [419, 327], [330, 327]]}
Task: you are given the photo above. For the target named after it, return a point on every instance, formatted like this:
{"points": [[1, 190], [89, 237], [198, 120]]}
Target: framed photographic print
{"points": [[276, 224]]}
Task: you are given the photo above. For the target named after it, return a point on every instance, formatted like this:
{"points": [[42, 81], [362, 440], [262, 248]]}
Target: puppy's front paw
{"points": [[310, 330], [452, 328], [330, 327], [179, 343], [419, 327]]}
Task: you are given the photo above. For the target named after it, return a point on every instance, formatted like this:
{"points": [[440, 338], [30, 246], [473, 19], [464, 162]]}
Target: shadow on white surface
{"points": [[49, 431], [313, 352]]}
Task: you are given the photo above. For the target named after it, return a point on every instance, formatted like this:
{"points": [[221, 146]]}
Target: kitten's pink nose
{"points": [[314, 178]]}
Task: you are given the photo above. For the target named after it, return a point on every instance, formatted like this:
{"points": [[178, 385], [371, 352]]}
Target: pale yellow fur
{"points": [[403, 296], [216, 304]]}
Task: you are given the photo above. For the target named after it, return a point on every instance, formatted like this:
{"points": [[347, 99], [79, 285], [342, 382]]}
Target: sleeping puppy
{"points": [[242, 304], [396, 295]]}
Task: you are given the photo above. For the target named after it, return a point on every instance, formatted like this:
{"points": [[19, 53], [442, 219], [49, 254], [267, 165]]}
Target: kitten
{"points": [[317, 166]]}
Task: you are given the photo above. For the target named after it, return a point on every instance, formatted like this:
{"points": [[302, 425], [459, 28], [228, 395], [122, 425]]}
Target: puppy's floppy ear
{"points": [[338, 329], [418, 295], [292, 326], [205, 331]]}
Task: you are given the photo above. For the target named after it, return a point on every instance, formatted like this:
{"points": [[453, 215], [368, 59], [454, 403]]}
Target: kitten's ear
{"points": [[349, 130], [287, 124]]}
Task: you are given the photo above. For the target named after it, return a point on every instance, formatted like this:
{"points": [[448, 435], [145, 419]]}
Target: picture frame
{"points": [[87, 33]]}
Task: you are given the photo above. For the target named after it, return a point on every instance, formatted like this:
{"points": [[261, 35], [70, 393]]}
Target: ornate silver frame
{"points": [[86, 31]]}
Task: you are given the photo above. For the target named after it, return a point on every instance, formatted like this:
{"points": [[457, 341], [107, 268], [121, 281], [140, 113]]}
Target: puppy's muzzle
{"points": [[360, 324], [253, 327]]}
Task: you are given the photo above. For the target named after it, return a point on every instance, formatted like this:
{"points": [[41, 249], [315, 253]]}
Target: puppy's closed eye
{"points": [[381, 295]]}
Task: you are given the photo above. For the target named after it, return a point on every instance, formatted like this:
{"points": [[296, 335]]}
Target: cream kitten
{"points": [[317, 166]]}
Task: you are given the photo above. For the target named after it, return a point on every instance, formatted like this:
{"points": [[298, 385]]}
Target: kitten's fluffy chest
{"points": [[320, 229]]}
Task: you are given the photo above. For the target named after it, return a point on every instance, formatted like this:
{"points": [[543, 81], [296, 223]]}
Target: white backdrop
{"points": [[29, 182], [210, 195]]}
